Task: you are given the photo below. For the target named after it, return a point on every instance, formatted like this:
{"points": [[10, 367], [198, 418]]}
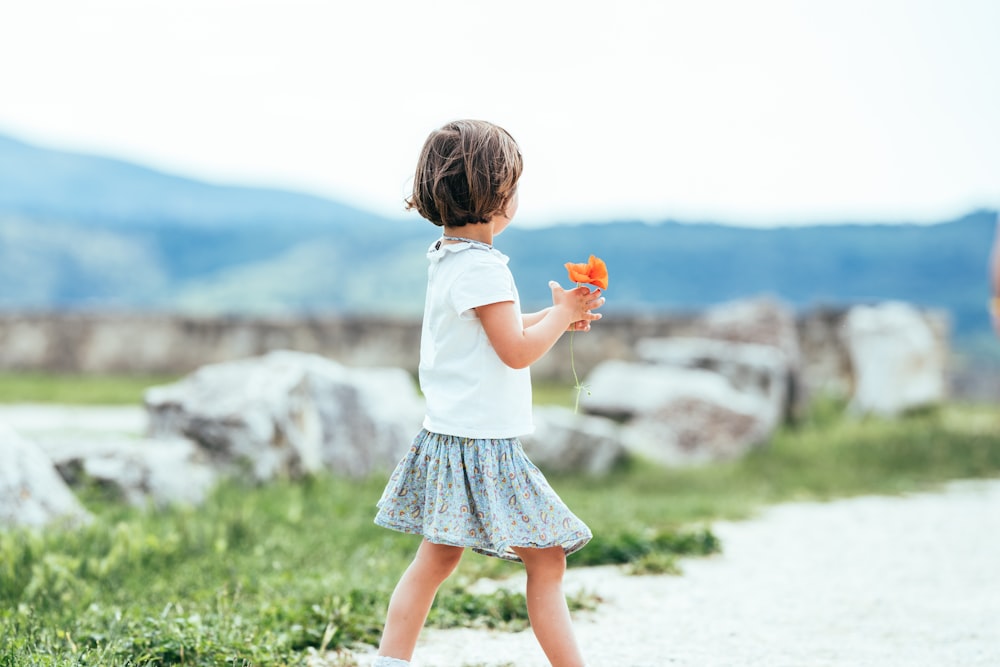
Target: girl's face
{"points": [[500, 222]]}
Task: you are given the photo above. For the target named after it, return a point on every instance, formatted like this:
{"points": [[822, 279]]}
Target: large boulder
{"points": [[141, 471], [692, 430], [897, 360], [104, 445], [679, 415], [826, 365], [567, 442], [291, 413], [762, 321], [626, 390], [31, 491], [751, 368]]}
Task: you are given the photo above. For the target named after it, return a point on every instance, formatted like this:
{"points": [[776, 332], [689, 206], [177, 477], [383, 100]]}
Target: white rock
{"points": [[31, 491], [164, 472], [679, 415], [628, 389], [692, 431], [761, 370], [897, 361], [761, 321], [290, 413], [568, 442]]}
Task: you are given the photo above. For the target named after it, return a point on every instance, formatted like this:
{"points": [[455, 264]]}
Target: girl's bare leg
{"points": [[412, 598], [547, 608]]}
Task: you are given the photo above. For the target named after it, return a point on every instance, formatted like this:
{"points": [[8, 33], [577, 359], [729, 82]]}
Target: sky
{"points": [[755, 113]]}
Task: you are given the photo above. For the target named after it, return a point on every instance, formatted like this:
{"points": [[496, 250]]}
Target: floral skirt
{"points": [[479, 493]]}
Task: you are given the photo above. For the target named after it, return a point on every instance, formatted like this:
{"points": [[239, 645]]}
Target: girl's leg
{"points": [[547, 608], [413, 596]]}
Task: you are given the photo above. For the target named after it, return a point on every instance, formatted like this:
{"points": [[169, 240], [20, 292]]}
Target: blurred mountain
{"points": [[686, 266], [79, 231], [48, 184], [83, 231]]}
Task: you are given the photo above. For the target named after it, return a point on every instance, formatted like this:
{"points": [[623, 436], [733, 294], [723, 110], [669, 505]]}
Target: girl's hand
{"points": [[521, 341], [577, 304]]}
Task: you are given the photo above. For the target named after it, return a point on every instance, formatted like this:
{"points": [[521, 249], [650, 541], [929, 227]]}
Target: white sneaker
{"points": [[384, 661]]}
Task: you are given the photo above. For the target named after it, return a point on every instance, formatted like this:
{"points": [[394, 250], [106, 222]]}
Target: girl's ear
{"points": [[512, 205]]}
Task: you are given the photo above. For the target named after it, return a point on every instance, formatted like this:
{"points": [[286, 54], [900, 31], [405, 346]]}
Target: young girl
{"points": [[466, 481]]}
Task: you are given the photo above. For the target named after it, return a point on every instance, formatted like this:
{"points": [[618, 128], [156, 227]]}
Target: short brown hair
{"points": [[467, 172]]}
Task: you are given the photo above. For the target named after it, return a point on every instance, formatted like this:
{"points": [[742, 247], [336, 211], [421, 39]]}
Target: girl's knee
{"points": [[549, 563], [442, 557]]}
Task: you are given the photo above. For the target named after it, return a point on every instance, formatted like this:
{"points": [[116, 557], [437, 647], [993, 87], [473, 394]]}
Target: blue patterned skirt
{"points": [[479, 493]]}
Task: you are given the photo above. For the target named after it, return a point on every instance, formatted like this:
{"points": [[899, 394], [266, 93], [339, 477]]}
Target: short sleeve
{"points": [[480, 285]]}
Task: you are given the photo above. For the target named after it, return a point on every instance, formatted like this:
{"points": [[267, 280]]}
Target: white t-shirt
{"points": [[469, 391]]}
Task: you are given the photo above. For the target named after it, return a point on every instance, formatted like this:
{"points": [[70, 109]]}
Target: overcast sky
{"points": [[755, 113]]}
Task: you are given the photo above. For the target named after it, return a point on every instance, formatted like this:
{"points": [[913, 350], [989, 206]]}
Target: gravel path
{"points": [[908, 581]]}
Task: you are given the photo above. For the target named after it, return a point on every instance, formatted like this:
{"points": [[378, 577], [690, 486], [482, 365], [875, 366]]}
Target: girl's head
{"points": [[467, 173]]}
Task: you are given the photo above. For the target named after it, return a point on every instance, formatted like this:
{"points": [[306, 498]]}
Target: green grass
{"points": [[128, 389], [76, 389], [553, 393], [261, 576]]}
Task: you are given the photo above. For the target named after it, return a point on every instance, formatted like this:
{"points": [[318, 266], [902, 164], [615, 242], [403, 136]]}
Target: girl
{"points": [[466, 481]]}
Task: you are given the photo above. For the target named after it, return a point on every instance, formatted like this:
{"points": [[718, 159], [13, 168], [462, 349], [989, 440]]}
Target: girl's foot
{"points": [[384, 661]]}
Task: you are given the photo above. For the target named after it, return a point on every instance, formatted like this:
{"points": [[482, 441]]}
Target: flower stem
{"points": [[572, 362]]}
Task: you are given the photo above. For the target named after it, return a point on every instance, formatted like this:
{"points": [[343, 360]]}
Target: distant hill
{"points": [[79, 231], [47, 184], [680, 266]]}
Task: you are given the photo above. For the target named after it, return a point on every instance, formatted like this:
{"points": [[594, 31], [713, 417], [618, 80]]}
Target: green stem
{"points": [[572, 362]]}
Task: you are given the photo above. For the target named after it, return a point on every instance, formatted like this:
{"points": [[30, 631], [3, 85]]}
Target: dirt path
{"points": [[867, 582]]}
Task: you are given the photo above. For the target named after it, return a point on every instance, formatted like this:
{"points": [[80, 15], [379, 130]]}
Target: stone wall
{"points": [[169, 344], [95, 343]]}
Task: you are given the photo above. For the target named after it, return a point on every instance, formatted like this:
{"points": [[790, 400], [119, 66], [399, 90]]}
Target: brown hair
{"points": [[467, 172]]}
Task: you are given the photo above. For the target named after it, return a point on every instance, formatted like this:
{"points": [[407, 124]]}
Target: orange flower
{"points": [[594, 272]]}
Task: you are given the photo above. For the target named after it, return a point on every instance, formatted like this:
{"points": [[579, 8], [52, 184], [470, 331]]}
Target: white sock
{"points": [[384, 661]]}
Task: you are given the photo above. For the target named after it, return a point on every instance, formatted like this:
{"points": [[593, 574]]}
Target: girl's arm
{"points": [[519, 343], [530, 319]]}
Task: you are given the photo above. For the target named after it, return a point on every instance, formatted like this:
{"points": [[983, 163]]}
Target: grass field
{"points": [[76, 389], [260, 576], [128, 389]]}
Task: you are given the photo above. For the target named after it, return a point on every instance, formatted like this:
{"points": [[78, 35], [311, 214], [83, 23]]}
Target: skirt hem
{"points": [[569, 546]]}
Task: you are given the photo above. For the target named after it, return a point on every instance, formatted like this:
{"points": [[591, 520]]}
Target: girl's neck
{"points": [[482, 232]]}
